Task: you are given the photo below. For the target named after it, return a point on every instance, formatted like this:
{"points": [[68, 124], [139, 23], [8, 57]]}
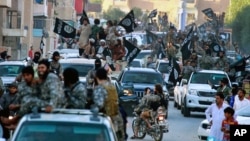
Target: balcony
{"points": [[40, 10], [14, 32], [5, 3]]}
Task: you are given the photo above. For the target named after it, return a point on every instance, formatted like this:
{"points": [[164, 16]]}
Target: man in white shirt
{"points": [[215, 115], [100, 49], [240, 100]]}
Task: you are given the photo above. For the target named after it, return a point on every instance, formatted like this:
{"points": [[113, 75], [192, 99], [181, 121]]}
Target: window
{"points": [[13, 19], [57, 131], [203, 78], [142, 77], [82, 69], [164, 67], [39, 23], [190, 17], [10, 70]]}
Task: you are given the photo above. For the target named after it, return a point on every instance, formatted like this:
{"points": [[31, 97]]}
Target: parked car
{"points": [[198, 94], [10, 70], [82, 65], [178, 94], [162, 65], [134, 80], [66, 53], [143, 55], [137, 63], [65, 124], [242, 116]]}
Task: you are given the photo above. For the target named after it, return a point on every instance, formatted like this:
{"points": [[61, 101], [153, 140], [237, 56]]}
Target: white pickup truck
{"points": [[198, 94]]}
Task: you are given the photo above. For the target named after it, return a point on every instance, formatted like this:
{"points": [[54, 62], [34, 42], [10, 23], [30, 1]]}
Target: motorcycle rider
{"points": [[145, 108]]}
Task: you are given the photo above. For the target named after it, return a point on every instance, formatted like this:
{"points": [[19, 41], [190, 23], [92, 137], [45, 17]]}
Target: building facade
{"points": [[44, 16], [16, 26]]}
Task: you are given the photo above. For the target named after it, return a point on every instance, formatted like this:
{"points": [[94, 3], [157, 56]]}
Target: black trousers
{"points": [[81, 50]]}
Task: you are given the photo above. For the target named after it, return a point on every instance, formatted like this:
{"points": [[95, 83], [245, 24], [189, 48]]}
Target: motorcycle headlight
{"points": [[192, 92], [127, 92]]}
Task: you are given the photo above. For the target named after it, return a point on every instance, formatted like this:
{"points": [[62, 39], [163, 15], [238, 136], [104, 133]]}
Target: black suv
{"points": [[133, 82]]}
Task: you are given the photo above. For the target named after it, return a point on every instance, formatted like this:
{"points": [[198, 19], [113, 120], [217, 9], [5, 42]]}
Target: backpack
{"points": [[111, 107]]}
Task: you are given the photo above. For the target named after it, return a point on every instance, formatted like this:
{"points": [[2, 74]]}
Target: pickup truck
{"points": [[198, 93]]}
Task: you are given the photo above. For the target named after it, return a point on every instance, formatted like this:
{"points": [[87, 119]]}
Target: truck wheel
{"points": [[186, 110]]}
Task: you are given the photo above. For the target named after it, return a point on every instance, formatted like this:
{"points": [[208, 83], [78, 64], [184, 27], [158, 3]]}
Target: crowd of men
{"points": [[44, 85]]}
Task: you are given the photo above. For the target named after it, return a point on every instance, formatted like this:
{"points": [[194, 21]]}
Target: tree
{"points": [[238, 19], [235, 7], [138, 13], [113, 14]]}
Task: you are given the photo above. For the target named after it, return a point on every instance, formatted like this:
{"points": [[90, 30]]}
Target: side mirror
{"points": [[184, 81]]}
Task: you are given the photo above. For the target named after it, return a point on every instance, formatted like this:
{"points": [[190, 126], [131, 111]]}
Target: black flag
{"points": [[153, 14], [174, 71], [84, 15], [64, 29], [186, 45], [216, 47], [209, 13], [128, 22], [131, 50], [151, 37]]}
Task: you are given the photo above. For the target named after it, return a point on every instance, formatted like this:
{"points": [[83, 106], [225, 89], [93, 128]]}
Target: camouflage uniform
{"points": [[187, 71], [27, 98], [99, 97], [7, 99], [225, 90], [56, 67], [146, 105], [75, 97], [206, 62], [221, 63], [51, 91]]}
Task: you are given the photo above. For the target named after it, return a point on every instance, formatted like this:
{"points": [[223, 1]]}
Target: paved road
{"points": [[180, 128]]}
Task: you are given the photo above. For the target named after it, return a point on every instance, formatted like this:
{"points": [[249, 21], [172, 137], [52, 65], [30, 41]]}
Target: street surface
{"points": [[180, 128]]}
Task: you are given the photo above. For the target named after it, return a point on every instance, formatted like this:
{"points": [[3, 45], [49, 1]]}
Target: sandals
{"points": [[134, 137]]}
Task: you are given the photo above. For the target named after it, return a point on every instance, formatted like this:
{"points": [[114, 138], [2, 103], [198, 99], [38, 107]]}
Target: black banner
{"points": [[209, 13], [84, 15], [153, 14], [216, 47], [132, 51], [174, 71], [128, 22], [186, 45], [64, 29]]}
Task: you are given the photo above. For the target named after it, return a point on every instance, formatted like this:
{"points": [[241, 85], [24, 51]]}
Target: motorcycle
{"points": [[158, 122], [161, 119]]}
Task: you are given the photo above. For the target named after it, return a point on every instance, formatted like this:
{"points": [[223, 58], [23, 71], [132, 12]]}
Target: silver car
{"points": [[65, 124], [10, 70]]}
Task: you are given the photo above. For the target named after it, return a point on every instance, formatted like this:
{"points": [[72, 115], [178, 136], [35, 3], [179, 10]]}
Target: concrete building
{"points": [[16, 26], [44, 14]]}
